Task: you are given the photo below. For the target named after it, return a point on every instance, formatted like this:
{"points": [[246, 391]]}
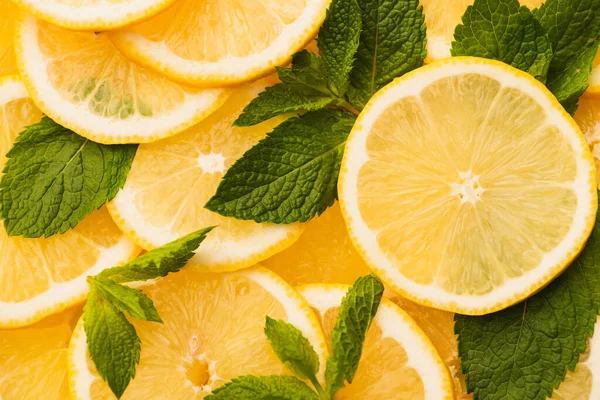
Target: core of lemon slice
{"points": [[588, 118], [222, 42], [171, 181], [33, 360], [398, 360], [466, 185], [93, 15], [9, 12], [442, 17], [41, 276], [83, 82], [213, 331]]}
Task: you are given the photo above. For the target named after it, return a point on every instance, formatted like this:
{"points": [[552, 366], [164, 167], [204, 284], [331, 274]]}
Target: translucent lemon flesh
{"points": [[588, 118], [9, 12]]}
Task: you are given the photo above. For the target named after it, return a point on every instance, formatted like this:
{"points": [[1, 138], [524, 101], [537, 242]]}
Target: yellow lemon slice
{"points": [[9, 12], [39, 277], [466, 186], [33, 360], [93, 15], [83, 82], [171, 181], [595, 77], [222, 42], [398, 360], [212, 333], [588, 118]]}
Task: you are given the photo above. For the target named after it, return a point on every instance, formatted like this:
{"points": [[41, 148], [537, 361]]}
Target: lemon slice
{"points": [[442, 17], [39, 277], [398, 360], [323, 254], [588, 118], [212, 333], [93, 15], [9, 12], [222, 42], [83, 82], [466, 186], [171, 181], [595, 76], [33, 360]]}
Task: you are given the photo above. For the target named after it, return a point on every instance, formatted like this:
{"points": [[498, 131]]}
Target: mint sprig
{"points": [[54, 178], [112, 341], [356, 314]]}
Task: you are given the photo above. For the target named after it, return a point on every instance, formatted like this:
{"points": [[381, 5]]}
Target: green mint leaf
{"points": [[126, 299], [112, 342], [392, 43], [306, 75], [503, 30], [293, 349], [306, 59], [158, 262], [251, 387], [523, 352], [54, 178], [289, 176], [338, 42], [281, 99], [357, 311], [573, 27]]}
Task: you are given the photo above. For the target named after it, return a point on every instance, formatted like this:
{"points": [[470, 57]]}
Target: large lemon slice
{"points": [[466, 186], [588, 118], [9, 12], [83, 82], [217, 42], [212, 332], [39, 277], [398, 360]]}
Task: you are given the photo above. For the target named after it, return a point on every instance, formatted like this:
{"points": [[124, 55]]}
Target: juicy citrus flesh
{"points": [[213, 331], [595, 76], [171, 181], [386, 369], [323, 254], [33, 360], [87, 85], [588, 118], [456, 201], [9, 12]]}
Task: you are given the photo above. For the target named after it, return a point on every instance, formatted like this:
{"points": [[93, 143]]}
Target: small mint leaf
{"points": [[251, 387], [126, 299]]}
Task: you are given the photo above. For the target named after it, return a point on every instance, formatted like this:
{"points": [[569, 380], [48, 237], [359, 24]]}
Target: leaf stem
{"points": [[347, 107], [323, 395]]}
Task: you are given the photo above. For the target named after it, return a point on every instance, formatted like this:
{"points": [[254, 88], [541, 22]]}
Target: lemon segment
{"points": [[8, 62], [84, 83], [213, 331], [398, 360], [222, 42], [595, 76], [447, 190], [588, 119]]}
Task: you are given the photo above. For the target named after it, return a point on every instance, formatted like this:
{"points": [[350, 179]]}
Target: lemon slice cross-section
{"points": [[8, 62]]}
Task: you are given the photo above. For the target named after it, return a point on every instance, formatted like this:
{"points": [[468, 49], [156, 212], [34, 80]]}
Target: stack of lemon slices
{"points": [[461, 145]]}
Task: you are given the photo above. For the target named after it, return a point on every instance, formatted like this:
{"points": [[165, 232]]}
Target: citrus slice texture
{"points": [[323, 254], [222, 42], [448, 192], [213, 331], [33, 360], [442, 17], [8, 62], [93, 15], [588, 118], [398, 360], [83, 82], [595, 77], [39, 277], [171, 181]]}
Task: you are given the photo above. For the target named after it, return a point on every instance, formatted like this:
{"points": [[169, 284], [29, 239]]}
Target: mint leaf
{"points": [[357, 311], [307, 72], [112, 342], [289, 176], [293, 349], [573, 28], [54, 178], [392, 43], [523, 352], [251, 387], [338, 42], [158, 262], [503, 30], [126, 299]]}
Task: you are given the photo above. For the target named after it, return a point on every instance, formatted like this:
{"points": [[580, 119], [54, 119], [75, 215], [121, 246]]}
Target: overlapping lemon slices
{"points": [[8, 62]]}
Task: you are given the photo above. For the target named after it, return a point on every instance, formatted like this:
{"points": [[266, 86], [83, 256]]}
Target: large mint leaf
{"points": [[54, 178], [357, 311], [503, 30], [251, 387], [392, 43], [126, 299], [523, 352], [291, 175], [338, 42]]}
